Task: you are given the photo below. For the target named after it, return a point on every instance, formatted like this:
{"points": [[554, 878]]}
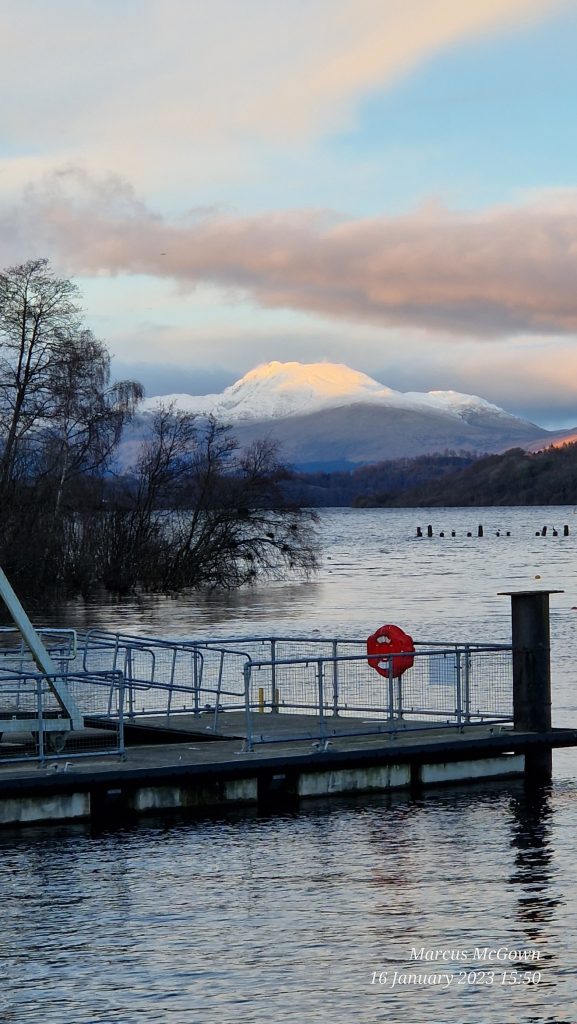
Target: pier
{"points": [[262, 721]]}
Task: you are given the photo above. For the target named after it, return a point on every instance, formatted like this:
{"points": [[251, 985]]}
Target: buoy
{"points": [[386, 641]]}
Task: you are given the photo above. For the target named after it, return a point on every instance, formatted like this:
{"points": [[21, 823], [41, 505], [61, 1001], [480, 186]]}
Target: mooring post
{"points": [[532, 671]]}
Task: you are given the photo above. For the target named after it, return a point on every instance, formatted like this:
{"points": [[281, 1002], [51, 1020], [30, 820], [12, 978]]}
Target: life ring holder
{"points": [[389, 650]]}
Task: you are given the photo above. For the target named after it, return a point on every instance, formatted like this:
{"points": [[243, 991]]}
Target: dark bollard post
{"points": [[429, 531], [565, 530], [419, 532], [532, 671], [479, 530]]}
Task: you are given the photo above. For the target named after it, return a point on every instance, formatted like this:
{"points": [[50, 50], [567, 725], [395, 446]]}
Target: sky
{"points": [[389, 184]]}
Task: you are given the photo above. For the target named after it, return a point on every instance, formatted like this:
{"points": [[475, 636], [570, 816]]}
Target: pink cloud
{"points": [[504, 271]]}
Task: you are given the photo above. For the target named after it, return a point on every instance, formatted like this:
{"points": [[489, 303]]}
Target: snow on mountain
{"points": [[277, 390]]}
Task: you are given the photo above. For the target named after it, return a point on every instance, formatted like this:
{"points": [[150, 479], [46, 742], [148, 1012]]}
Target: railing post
{"points": [[195, 681], [467, 685], [39, 709], [218, 692], [532, 671], [171, 682], [273, 689], [128, 677], [335, 681], [121, 748], [321, 699], [391, 686], [247, 710], [458, 691]]}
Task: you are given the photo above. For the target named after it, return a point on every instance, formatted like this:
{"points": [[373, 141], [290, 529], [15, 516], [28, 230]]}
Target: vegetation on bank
{"points": [[515, 477], [193, 511], [377, 484]]}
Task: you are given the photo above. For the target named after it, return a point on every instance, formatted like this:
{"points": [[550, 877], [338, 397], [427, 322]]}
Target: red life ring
{"points": [[385, 641]]}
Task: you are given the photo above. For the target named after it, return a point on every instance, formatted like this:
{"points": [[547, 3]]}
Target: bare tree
{"points": [[86, 414], [37, 310], [60, 420], [203, 514], [196, 511]]}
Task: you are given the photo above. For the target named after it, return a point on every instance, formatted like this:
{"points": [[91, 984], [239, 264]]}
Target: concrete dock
{"points": [[125, 742], [192, 773]]}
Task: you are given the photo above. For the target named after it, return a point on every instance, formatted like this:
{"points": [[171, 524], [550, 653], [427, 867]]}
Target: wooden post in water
{"points": [[532, 672]]}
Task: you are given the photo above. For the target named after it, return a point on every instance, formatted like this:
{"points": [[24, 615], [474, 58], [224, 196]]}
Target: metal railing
{"points": [[454, 685], [327, 680], [169, 677], [15, 655], [33, 725]]}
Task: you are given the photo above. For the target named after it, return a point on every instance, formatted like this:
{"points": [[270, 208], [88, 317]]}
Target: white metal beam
{"points": [[39, 653]]}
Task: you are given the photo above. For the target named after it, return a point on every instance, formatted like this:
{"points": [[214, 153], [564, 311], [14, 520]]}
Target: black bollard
{"points": [[453, 533], [479, 530], [544, 531], [419, 532], [532, 672], [565, 530], [429, 531]]}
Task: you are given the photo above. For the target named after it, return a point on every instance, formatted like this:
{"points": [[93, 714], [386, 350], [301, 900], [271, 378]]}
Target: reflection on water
{"points": [[285, 918], [532, 841]]}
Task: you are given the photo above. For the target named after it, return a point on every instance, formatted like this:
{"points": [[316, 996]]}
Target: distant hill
{"points": [[515, 477], [372, 485]]}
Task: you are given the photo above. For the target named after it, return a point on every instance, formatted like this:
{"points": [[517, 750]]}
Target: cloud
{"points": [[506, 270], [164, 90]]}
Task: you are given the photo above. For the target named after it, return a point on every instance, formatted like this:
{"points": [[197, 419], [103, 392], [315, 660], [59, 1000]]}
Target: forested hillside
{"points": [[377, 484], [513, 478]]}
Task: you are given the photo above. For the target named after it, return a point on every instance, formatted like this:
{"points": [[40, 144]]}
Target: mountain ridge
{"points": [[276, 389], [329, 413]]}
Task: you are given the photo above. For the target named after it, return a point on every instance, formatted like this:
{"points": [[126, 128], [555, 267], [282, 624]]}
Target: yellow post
{"points": [[261, 699]]}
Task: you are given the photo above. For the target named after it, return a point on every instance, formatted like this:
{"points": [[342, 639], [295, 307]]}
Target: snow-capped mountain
{"points": [[277, 390], [326, 415]]}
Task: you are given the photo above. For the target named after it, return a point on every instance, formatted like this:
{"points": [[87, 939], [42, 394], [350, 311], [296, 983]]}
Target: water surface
{"points": [[312, 916]]}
